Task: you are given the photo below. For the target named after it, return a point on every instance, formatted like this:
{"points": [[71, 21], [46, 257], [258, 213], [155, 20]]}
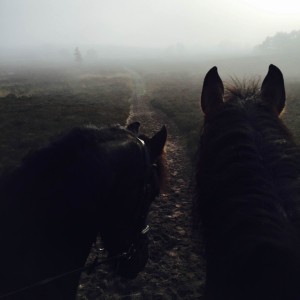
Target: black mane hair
{"points": [[248, 195]]}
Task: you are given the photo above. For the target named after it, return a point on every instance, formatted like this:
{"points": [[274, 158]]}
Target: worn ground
{"points": [[176, 267]]}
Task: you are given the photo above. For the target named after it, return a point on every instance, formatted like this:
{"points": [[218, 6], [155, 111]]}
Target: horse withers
{"points": [[248, 191], [53, 206]]}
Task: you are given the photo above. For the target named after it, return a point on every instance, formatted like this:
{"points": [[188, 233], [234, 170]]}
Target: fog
{"points": [[48, 29]]}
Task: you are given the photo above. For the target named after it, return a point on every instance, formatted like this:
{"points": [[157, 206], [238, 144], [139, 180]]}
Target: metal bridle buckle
{"points": [[132, 249], [145, 230]]}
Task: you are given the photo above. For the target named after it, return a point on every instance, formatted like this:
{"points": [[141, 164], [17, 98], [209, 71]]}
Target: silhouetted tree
{"points": [[77, 55], [281, 42]]}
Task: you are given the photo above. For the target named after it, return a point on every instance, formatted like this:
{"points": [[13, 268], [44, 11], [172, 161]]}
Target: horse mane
{"points": [[84, 149]]}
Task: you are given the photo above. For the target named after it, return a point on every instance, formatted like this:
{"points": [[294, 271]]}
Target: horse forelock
{"points": [[242, 89]]}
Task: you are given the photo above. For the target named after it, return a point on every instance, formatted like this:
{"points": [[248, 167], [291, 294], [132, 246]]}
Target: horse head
{"points": [[137, 184]]}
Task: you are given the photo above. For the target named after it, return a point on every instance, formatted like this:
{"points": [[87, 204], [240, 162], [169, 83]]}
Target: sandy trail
{"points": [[176, 267]]}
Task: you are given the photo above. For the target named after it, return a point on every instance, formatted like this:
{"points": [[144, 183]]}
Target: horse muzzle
{"points": [[135, 259]]}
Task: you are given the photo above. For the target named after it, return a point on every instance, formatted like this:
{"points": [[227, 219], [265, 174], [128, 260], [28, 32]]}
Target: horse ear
{"points": [[157, 143], [212, 91], [134, 127], [272, 89]]}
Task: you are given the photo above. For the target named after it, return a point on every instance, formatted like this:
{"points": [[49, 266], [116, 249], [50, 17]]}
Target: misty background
{"points": [[50, 30]]}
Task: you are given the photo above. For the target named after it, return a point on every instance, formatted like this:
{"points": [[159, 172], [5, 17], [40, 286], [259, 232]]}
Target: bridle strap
{"points": [[145, 230], [146, 153]]}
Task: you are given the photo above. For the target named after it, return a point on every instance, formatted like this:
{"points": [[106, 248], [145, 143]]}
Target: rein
{"points": [[145, 194], [89, 268]]}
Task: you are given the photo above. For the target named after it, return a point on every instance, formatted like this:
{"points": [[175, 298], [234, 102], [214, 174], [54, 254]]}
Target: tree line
{"points": [[281, 42]]}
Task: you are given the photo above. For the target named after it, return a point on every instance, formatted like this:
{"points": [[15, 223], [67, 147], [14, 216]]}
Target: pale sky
{"points": [[145, 23]]}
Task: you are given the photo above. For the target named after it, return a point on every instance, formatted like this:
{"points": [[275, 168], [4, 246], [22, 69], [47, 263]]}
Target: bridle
{"points": [[146, 199]]}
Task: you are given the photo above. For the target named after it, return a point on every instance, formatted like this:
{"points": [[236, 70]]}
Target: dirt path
{"points": [[175, 268]]}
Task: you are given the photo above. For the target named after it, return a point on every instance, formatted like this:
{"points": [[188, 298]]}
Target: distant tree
{"points": [[77, 55], [281, 42]]}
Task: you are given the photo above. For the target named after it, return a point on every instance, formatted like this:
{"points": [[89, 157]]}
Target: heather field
{"points": [[39, 104]]}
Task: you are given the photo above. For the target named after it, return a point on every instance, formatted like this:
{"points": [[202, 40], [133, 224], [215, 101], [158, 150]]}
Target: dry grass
{"points": [[39, 106], [178, 96]]}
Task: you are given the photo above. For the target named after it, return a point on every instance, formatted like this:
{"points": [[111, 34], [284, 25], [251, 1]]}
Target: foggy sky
{"points": [[145, 23]]}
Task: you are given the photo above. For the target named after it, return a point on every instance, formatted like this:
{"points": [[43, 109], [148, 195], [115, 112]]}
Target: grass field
{"points": [[177, 95], [37, 105], [291, 115]]}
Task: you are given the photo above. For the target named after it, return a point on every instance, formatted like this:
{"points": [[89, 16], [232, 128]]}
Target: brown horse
{"points": [[53, 206], [248, 192]]}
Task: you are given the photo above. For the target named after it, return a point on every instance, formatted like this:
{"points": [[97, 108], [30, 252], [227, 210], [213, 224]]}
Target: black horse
{"points": [[248, 192], [53, 206]]}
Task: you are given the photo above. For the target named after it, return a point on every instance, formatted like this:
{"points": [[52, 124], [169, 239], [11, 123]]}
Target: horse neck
{"points": [[249, 155], [248, 189]]}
